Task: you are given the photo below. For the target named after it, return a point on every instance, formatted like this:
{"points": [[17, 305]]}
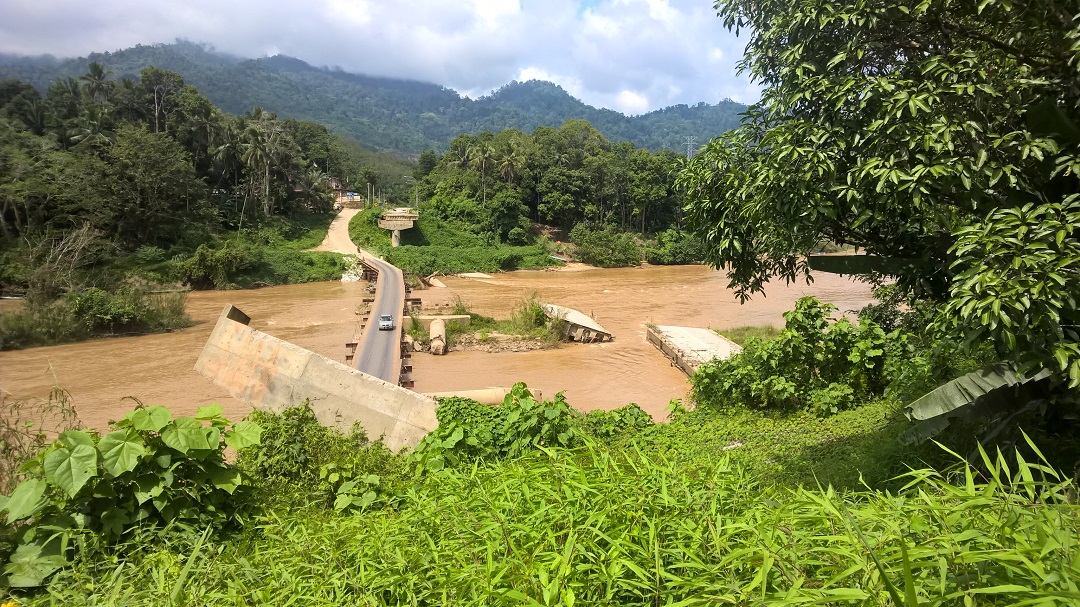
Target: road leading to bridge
{"points": [[379, 352]]}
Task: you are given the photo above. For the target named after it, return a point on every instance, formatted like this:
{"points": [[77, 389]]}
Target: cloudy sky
{"points": [[629, 55]]}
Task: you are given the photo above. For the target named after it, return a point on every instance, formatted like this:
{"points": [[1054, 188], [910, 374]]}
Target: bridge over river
{"points": [[271, 373]]}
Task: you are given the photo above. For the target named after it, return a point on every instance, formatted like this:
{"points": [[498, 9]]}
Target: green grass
{"points": [[665, 515], [790, 449], [364, 230], [527, 319], [592, 527], [739, 335]]}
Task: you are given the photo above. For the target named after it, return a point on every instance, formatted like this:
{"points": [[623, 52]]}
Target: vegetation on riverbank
{"points": [[436, 246], [109, 184]]}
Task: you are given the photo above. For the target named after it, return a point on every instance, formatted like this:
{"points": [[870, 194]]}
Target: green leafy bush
{"points": [[605, 246], [624, 422], [299, 456], [829, 366], [470, 432], [130, 309], [40, 325], [219, 267], [257, 260], [151, 470], [675, 247]]}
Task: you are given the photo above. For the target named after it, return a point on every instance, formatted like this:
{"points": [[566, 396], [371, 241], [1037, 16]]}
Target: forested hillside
{"points": [[398, 116], [112, 190]]}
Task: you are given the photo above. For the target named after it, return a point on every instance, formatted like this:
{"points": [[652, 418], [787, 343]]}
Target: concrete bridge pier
{"points": [[397, 220]]}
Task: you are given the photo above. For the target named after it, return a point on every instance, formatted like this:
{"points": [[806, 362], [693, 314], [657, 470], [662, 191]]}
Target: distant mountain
{"points": [[401, 117]]}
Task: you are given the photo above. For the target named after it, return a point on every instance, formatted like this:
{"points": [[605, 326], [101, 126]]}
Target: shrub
{"points": [[605, 246], [813, 363], [470, 432], [218, 267], [624, 422], [40, 325], [300, 456], [675, 247], [152, 470]]}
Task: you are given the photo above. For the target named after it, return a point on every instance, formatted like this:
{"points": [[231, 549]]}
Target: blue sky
{"points": [[633, 56]]}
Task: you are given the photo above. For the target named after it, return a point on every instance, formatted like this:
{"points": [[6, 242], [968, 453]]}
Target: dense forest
{"points": [[615, 202], [397, 116], [113, 188]]}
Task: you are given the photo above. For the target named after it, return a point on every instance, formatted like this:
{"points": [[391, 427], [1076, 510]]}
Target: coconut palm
{"points": [[483, 159], [95, 83], [31, 110], [511, 162], [93, 126]]}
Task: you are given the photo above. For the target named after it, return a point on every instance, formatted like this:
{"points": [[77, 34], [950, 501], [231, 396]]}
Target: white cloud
{"points": [[631, 103], [629, 55]]}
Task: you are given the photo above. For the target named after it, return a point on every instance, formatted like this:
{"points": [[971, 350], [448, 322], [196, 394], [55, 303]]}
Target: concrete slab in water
{"points": [[690, 347]]}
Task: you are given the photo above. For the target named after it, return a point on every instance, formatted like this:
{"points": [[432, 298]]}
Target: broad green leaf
{"points": [[343, 501], [147, 487], [26, 500], [243, 434], [114, 520], [70, 438], [32, 563], [121, 450], [227, 479], [964, 390], [208, 413], [185, 434], [368, 499], [69, 469], [151, 419]]}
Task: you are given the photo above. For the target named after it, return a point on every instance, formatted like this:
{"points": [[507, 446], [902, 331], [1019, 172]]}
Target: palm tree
{"points": [[225, 149], [511, 162], [95, 82], [31, 111], [93, 126], [482, 159], [257, 157]]}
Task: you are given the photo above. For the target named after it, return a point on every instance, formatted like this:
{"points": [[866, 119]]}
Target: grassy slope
{"points": [[611, 527]]}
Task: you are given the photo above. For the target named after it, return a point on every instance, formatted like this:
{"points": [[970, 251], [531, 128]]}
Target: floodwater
{"points": [[623, 301], [158, 369], [101, 374]]}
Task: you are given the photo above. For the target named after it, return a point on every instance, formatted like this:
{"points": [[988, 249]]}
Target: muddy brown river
{"points": [[102, 375]]}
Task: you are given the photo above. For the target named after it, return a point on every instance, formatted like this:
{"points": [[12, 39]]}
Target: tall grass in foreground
{"points": [[592, 528]]}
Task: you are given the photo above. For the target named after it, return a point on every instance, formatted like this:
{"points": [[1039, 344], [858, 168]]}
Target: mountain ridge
{"points": [[394, 115]]}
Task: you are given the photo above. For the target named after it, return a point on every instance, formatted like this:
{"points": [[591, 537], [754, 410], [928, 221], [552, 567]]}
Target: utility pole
{"points": [[690, 141]]}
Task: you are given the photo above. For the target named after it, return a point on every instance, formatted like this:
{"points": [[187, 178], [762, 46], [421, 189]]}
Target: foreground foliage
{"points": [[152, 470], [559, 527], [813, 363]]}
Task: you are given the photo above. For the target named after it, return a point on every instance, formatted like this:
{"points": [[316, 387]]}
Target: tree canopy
{"points": [[939, 136]]}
